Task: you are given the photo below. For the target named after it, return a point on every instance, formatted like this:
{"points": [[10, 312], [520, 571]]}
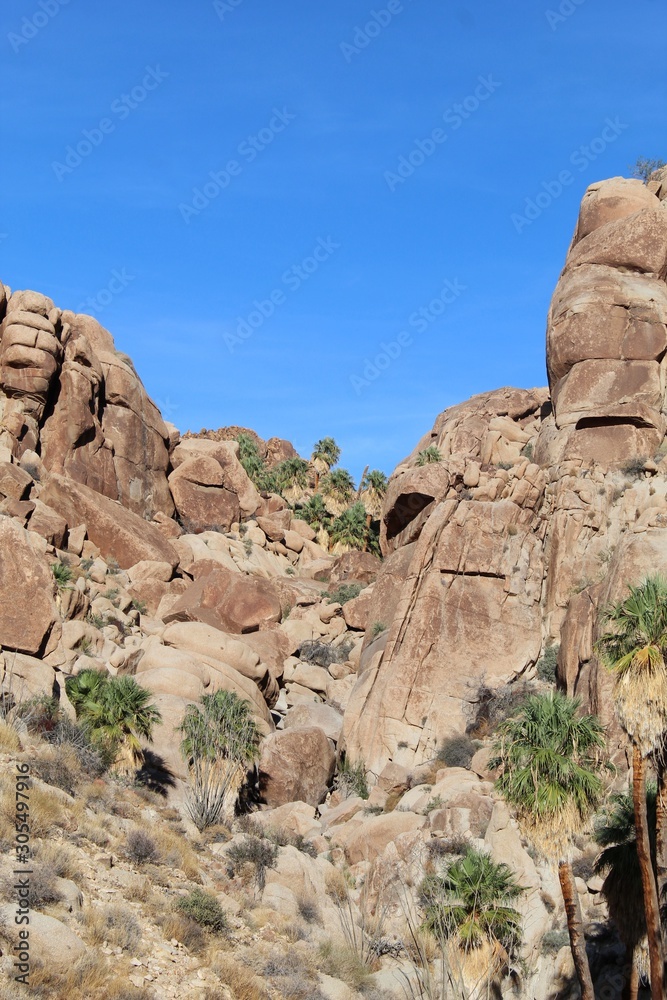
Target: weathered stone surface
{"points": [[366, 839], [28, 611], [228, 601], [201, 499], [118, 533], [324, 717], [355, 567], [49, 524], [607, 201], [234, 477], [468, 617], [296, 765], [14, 482], [51, 941]]}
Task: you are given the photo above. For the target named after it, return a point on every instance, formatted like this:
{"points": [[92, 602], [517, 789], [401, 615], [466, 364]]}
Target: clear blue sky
{"points": [[314, 104]]}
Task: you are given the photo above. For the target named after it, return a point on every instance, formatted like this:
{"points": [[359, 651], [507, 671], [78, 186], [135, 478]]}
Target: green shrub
{"points": [[378, 628], [351, 778], [62, 575], [343, 593], [643, 167], [554, 940], [429, 455], [323, 654], [457, 751], [204, 909], [546, 665]]}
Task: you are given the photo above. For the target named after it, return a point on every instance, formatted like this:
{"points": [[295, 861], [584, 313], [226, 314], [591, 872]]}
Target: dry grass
{"points": [[336, 885], [95, 833], [343, 962], [114, 924], [92, 977], [241, 981], [138, 890], [60, 857], [9, 739], [185, 930], [176, 852]]}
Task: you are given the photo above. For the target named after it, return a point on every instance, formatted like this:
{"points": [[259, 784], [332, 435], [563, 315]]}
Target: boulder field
{"points": [[514, 520]]}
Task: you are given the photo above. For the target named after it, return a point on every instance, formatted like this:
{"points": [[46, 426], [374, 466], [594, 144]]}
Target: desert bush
{"points": [[140, 847], [204, 909], [644, 166], [259, 853], [92, 757], [185, 930], [323, 654], [350, 778], [378, 628], [241, 981], [344, 962], [115, 924], [220, 741], [9, 738], [546, 665], [457, 751], [494, 705], [442, 847], [292, 976], [429, 455], [554, 940], [343, 593], [308, 909], [283, 838], [42, 888], [56, 770], [62, 574], [59, 857]]}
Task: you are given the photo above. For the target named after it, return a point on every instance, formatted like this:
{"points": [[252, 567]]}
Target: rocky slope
{"points": [[536, 508]]}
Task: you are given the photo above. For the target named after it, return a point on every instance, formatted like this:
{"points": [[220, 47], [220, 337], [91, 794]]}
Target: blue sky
{"points": [[292, 120]]}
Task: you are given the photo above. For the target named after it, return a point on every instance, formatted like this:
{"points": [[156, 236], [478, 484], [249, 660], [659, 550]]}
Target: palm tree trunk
{"points": [[631, 985], [575, 927], [661, 833], [649, 887]]}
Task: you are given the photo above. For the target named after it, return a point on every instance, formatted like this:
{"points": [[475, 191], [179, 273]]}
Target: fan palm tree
{"points": [[372, 492], [337, 488], [634, 649], [550, 762], [429, 455], [291, 477], [469, 903], [349, 530], [117, 712], [325, 455], [220, 741], [618, 861]]}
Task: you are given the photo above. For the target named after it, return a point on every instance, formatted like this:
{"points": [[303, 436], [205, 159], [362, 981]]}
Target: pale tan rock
{"points": [[324, 717], [51, 941], [296, 765], [228, 601], [28, 613], [366, 839], [201, 499]]}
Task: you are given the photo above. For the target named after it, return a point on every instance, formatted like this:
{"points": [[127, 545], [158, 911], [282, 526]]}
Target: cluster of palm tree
{"points": [[116, 712], [325, 497], [634, 648]]}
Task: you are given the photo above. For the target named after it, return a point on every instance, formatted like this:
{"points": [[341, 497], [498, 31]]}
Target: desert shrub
{"points": [[115, 924], [241, 981], [9, 738], [351, 778], [344, 962], [204, 909], [259, 853], [292, 977], [546, 665], [323, 654], [634, 467], [40, 714], [283, 838], [527, 451], [308, 909], [554, 940], [429, 455], [62, 574], [42, 888], [220, 741], [55, 771], [140, 847], [378, 628], [643, 167], [584, 867], [457, 751], [494, 705], [437, 802], [442, 847], [343, 593]]}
